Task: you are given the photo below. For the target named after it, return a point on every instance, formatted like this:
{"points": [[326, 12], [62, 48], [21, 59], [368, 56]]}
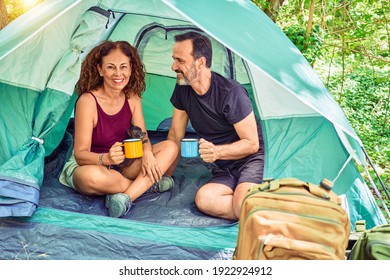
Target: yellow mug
{"points": [[133, 148]]}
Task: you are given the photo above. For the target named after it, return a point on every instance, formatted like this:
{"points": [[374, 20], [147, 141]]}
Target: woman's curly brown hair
{"points": [[90, 78]]}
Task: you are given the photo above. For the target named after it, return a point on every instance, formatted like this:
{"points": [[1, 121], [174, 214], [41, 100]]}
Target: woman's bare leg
{"points": [[165, 153], [98, 180]]}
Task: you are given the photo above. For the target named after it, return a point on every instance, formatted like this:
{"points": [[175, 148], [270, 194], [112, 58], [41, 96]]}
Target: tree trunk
{"points": [[344, 10], [309, 23], [272, 11], [3, 14], [323, 13]]}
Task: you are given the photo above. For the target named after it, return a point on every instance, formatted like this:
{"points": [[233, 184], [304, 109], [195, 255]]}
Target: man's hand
{"points": [[208, 151]]}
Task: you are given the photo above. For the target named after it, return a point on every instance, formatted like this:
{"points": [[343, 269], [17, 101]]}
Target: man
{"points": [[221, 113]]}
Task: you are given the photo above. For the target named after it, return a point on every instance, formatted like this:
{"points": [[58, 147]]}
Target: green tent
{"points": [[306, 134]]}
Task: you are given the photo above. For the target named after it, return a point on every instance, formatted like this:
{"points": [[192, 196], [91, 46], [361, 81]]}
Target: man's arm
{"points": [[178, 126], [177, 132], [247, 145]]}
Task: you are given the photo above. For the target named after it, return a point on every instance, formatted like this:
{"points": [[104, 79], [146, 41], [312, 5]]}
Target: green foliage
{"points": [[262, 4], [310, 47], [366, 105]]}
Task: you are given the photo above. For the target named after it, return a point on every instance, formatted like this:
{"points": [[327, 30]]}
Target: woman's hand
{"points": [[115, 154], [150, 166]]}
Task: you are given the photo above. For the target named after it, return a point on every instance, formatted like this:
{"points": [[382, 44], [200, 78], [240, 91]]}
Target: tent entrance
{"points": [[158, 34], [154, 39]]}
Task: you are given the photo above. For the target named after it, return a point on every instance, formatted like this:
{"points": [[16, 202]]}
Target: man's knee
{"points": [[211, 196], [201, 199], [207, 197]]}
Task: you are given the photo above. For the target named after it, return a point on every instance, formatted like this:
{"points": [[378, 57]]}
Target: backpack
{"points": [[373, 244], [291, 219]]}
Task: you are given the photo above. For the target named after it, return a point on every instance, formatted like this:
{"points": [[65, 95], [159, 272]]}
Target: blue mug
{"points": [[189, 147]]}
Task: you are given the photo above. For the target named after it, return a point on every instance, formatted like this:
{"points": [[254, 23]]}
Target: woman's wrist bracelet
{"points": [[101, 160]]}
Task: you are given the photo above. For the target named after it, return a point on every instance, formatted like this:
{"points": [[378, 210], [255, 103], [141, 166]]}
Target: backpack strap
{"points": [[323, 190]]}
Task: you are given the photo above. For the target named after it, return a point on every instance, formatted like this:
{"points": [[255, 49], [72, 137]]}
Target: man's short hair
{"points": [[201, 45]]}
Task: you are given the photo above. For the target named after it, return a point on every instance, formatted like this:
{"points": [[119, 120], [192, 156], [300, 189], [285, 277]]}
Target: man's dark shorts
{"points": [[249, 170]]}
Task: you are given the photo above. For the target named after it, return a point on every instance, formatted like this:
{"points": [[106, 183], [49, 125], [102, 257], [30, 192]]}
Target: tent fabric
{"points": [[306, 134], [62, 79]]}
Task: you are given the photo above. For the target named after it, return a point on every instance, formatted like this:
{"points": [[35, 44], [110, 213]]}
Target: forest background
{"points": [[347, 44]]}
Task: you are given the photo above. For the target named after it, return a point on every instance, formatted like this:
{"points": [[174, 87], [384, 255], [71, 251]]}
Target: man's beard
{"points": [[188, 79]]}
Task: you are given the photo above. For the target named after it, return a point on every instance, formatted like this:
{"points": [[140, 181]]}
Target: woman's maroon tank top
{"points": [[110, 128]]}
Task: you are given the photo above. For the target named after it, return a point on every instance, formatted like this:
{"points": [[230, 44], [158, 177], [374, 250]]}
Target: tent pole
{"points": [[377, 192], [376, 173], [373, 184]]}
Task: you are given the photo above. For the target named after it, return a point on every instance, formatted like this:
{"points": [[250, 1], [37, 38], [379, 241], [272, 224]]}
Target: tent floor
{"points": [[175, 207]]}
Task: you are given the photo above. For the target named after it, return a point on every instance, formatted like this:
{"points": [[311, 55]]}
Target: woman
{"points": [[110, 87]]}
